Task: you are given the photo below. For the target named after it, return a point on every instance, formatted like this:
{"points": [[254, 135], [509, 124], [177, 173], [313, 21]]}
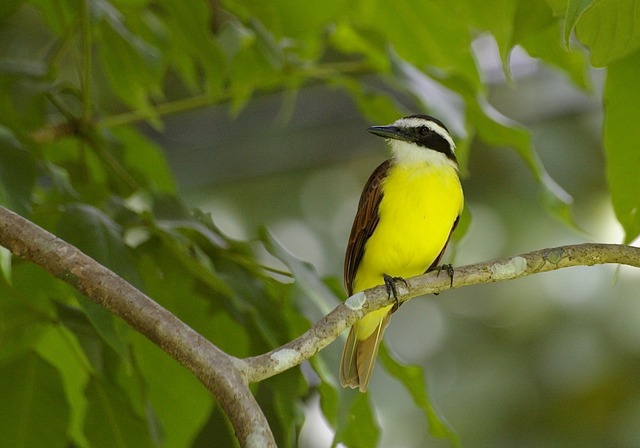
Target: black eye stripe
{"points": [[423, 134], [428, 138], [436, 142]]}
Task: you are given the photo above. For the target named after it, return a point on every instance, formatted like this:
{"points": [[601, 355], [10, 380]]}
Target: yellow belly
{"points": [[419, 206]]}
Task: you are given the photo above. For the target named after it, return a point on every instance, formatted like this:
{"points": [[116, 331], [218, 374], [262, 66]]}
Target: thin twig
{"points": [[343, 316]]}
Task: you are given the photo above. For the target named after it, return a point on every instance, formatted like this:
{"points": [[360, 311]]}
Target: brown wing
{"points": [[364, 223]]}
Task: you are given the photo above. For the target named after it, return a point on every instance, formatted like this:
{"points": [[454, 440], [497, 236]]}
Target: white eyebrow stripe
{"points": [[415, 122]]}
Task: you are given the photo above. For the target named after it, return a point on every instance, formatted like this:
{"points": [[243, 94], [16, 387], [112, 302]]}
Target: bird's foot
{"points": [[391, 284], [445, 267]]}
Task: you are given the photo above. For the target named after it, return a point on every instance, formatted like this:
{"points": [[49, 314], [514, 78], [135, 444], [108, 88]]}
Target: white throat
{"points": [[410, 153]]}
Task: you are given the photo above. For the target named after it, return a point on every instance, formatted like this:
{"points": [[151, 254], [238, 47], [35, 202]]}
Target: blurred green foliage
{"points": [[77, 77]]}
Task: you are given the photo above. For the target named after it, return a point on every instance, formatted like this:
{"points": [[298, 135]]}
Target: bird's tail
{"points": [[359, 356]]}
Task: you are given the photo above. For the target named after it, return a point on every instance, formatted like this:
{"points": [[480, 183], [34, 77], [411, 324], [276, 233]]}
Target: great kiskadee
{"points": [[408, 209]]}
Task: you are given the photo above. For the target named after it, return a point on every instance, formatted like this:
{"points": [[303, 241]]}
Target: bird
{"points": [[408, 209]]}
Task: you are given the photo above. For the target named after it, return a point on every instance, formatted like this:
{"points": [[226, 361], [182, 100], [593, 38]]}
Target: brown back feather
{"points": [[364, 223]]}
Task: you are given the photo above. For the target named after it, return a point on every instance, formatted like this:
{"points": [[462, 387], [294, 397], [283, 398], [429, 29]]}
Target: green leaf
{"points": [[532, 24], [219, 429], [25, 69], [257, 44], [75, 172], [34, 287], [497, 17], [510, 22], [375, 104], [559, 7], [217, 329], [253, 62], [132, 66], [111, 421], [414, 380], [98, 236], [328, 388], [233, 281], [497, 130], [621, 137], [308, 282], [111, 329], [309, 19], [20, 326], [180, 251], [9, 7], [574, 10], [268, 319], [25, 308], [280, 398], [34, 411], [17, 173], [444, 103], [531, 17], [546, 45], [426, 37], [291, 18], [172, 285], [59, 15], [145, 160], [189, 47], [610, 29], [5, 264], [349, 40], [357, 426], [95, 329], [180, 401], [61, 349]]}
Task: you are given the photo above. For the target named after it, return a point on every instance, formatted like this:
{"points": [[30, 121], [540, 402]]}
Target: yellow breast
{"points": [[419, 206]]}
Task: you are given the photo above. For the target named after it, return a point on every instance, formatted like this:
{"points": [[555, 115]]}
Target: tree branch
{"points": [[227, 377], [343, 316], [218, 371]]}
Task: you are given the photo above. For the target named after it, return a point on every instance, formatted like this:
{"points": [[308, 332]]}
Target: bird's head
{"points": [[418, 137]]}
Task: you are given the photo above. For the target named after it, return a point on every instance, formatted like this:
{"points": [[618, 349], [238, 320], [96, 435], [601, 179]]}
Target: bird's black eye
{"points": [[423, 130]]}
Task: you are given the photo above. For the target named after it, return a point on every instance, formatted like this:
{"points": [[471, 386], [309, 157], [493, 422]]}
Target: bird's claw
{"points": [[450, 272], [390, 282]]}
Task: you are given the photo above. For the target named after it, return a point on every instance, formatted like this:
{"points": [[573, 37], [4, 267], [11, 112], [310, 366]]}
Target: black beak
{"points": [[390, 131]]}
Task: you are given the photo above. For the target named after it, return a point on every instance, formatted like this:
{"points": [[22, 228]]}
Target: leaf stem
{"points": [[320, 72], [168, 108]]}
